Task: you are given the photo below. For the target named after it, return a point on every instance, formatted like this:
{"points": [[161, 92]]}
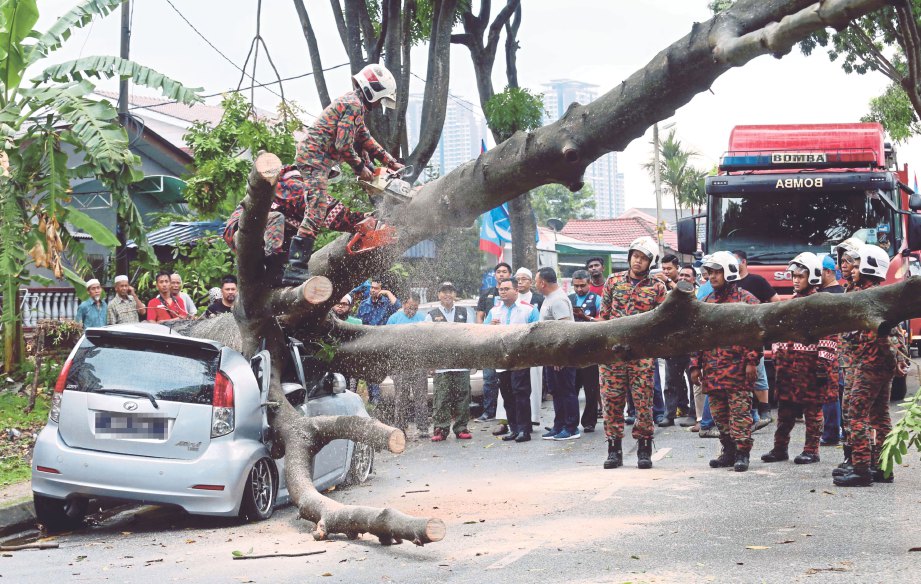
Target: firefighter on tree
{"points": [[301, 205]]}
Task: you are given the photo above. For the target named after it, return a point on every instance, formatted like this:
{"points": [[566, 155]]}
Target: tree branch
{"points": [[339, 17], [511, 48], [689, 326], [495, 29], [912, 39], [367, 29], [316, 65], [876, 59], [352, 35]]}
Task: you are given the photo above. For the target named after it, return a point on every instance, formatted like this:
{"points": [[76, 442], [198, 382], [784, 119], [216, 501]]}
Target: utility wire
{"points": [[459, 100]]}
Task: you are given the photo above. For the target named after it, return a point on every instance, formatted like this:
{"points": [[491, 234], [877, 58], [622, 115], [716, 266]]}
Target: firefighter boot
{"points": [[296, 272], [644, 453], [843, 468], [741, 462], [775, 455], [879, 476], [615, 454], [727, 455], [857, 476]]}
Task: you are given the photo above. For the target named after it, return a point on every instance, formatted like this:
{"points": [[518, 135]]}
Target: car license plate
{"points": [[120, 426]]}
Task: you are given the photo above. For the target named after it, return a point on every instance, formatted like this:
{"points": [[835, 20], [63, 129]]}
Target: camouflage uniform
{"points": [[338, 135], [289, 207], [807, 378], [868, 402], [722, 377], [624, 297]]}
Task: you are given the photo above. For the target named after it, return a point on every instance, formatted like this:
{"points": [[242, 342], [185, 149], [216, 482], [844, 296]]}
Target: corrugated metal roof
{"points": [[181, 232]]}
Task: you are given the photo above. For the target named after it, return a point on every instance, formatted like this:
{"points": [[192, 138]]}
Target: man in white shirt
{"points": [[452, 386], [514, 384], [560, 380], [175, 286]]}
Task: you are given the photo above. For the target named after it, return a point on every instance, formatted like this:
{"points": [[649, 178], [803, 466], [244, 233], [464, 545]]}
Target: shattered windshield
{"points": [[773, 228]]}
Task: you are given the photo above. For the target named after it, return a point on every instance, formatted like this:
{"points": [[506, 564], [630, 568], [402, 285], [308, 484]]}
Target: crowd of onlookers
{"points": [[170, 302]]}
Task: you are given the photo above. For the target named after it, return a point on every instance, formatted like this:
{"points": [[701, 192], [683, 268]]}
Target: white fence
{"points": [[53, 303]]}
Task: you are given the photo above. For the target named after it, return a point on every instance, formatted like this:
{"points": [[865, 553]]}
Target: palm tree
{"points": [[679, 178], [40, 121]]}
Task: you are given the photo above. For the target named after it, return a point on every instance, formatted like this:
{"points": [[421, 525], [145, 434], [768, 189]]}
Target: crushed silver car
{"points": [[140, 413]]}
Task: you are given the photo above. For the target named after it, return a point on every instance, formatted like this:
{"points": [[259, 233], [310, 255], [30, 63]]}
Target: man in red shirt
{"points": [[164, 306], [595, 268]]}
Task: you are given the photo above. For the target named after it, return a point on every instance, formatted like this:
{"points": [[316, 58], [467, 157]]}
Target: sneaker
{"points": [[688, 422], [439, 436], [550, 435], [666, 422], [588, 429], [464, 435], [764, 421], [829, 442], [713, 432], [567, 435], [629, 420], [482, 418]]}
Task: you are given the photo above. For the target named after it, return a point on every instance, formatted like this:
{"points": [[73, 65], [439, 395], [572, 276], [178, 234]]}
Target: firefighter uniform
{"points": [[722, 379], [806, 378], [624, 296], [874, 364]]}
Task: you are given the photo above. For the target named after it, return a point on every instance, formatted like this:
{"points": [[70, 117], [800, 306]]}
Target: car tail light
{"points": [[222, 421], [55, 413]]}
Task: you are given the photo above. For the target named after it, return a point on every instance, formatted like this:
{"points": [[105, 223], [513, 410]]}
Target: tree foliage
{"points": [[223, 153], [40, 123], [556, 201], [515, 109], [680, 178]]}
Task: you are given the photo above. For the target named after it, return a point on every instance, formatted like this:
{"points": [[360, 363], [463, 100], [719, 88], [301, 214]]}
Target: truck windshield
{"points": [[773, 228]]}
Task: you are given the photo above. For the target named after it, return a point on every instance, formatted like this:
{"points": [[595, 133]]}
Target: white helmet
{"points": [[723, 260], [811, 263], [647, 246], [874, 261], [377, 84], [849, 244]]}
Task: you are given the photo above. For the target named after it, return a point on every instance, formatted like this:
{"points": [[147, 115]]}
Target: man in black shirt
{"points": [[228, 295], [488, 299], [830, 277], [764, 292]]}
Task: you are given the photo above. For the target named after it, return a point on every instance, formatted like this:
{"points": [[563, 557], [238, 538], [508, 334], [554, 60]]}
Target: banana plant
{"points": [[52, 131]]}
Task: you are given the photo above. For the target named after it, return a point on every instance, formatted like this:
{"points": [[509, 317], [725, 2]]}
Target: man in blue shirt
{"points": [[93, 312], [374, 311], [410, 387], [585, 307], [514, 384]]}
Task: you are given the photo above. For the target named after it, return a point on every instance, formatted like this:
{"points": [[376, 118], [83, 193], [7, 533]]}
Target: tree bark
{"points": [[316, 64]]}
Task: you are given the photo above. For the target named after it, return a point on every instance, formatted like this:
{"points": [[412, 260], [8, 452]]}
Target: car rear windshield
{"points": [[167, 371]]}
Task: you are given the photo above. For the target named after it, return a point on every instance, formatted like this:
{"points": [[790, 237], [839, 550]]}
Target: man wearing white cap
{"points": [[92, 312], [524, 277], [125, 307]]}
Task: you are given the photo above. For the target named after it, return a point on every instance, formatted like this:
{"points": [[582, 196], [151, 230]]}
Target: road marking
{"points": [[660, 454], [513, 557]]}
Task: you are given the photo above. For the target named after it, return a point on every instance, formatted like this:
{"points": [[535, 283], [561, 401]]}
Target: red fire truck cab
{"points": [[785, 189]]}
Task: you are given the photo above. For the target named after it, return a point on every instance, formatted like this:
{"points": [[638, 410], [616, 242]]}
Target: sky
{"points": [[596, 41]]}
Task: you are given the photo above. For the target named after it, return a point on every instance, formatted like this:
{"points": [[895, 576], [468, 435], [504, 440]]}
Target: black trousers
{"points": [[676, 386], [515, 386], [587, 380]]}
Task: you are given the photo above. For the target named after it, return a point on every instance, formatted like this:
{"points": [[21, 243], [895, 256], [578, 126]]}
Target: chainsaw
{"points": [[387, 189], [389, 184]]}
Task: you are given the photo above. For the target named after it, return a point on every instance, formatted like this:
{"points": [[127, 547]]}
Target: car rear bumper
{"points": [[89, 473]]}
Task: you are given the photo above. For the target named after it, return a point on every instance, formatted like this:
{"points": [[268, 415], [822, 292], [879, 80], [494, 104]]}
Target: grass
{"points": [[16, 453]]}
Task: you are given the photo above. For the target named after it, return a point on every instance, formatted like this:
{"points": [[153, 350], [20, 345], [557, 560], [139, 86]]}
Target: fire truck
{"points": [[785, 189]]}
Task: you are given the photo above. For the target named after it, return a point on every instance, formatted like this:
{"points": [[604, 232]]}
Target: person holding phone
{"points": [[125, 307], [585, 308]]}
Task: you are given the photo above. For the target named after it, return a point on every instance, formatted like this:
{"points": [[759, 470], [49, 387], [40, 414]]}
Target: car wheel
{"points": [[259, 494], [361, 464], [899, 388], [59, 514]]}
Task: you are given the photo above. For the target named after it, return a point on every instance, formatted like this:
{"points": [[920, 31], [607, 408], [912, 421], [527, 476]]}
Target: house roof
{"points": [[181, 232], [620, 231], [199, 112]]}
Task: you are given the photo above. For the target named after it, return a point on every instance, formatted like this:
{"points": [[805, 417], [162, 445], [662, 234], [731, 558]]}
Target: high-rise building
{"points": [[606, 181], [463, 130]]}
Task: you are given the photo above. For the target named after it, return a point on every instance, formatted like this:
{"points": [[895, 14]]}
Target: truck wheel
{"points": [[361, 465], [59, 515], [258, 501], [899, 388]]}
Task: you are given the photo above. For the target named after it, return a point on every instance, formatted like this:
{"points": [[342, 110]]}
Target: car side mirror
{"points": [[913, 232], [914, 202], [687, 236]]}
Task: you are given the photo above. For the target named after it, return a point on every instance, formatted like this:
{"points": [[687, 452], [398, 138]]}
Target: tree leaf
{"points": [[99, 232], [17, 18], [77, 17]]}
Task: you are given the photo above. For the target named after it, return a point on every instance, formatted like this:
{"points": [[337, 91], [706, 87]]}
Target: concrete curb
{"points": [[17, 516]]}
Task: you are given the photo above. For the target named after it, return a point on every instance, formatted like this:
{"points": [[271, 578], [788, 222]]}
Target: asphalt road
{"points": [[538, 512]]}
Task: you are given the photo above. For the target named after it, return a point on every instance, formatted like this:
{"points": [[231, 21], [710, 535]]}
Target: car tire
{"points": [[59, 515], [258, 501], [899, 388], [361, 465]]}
